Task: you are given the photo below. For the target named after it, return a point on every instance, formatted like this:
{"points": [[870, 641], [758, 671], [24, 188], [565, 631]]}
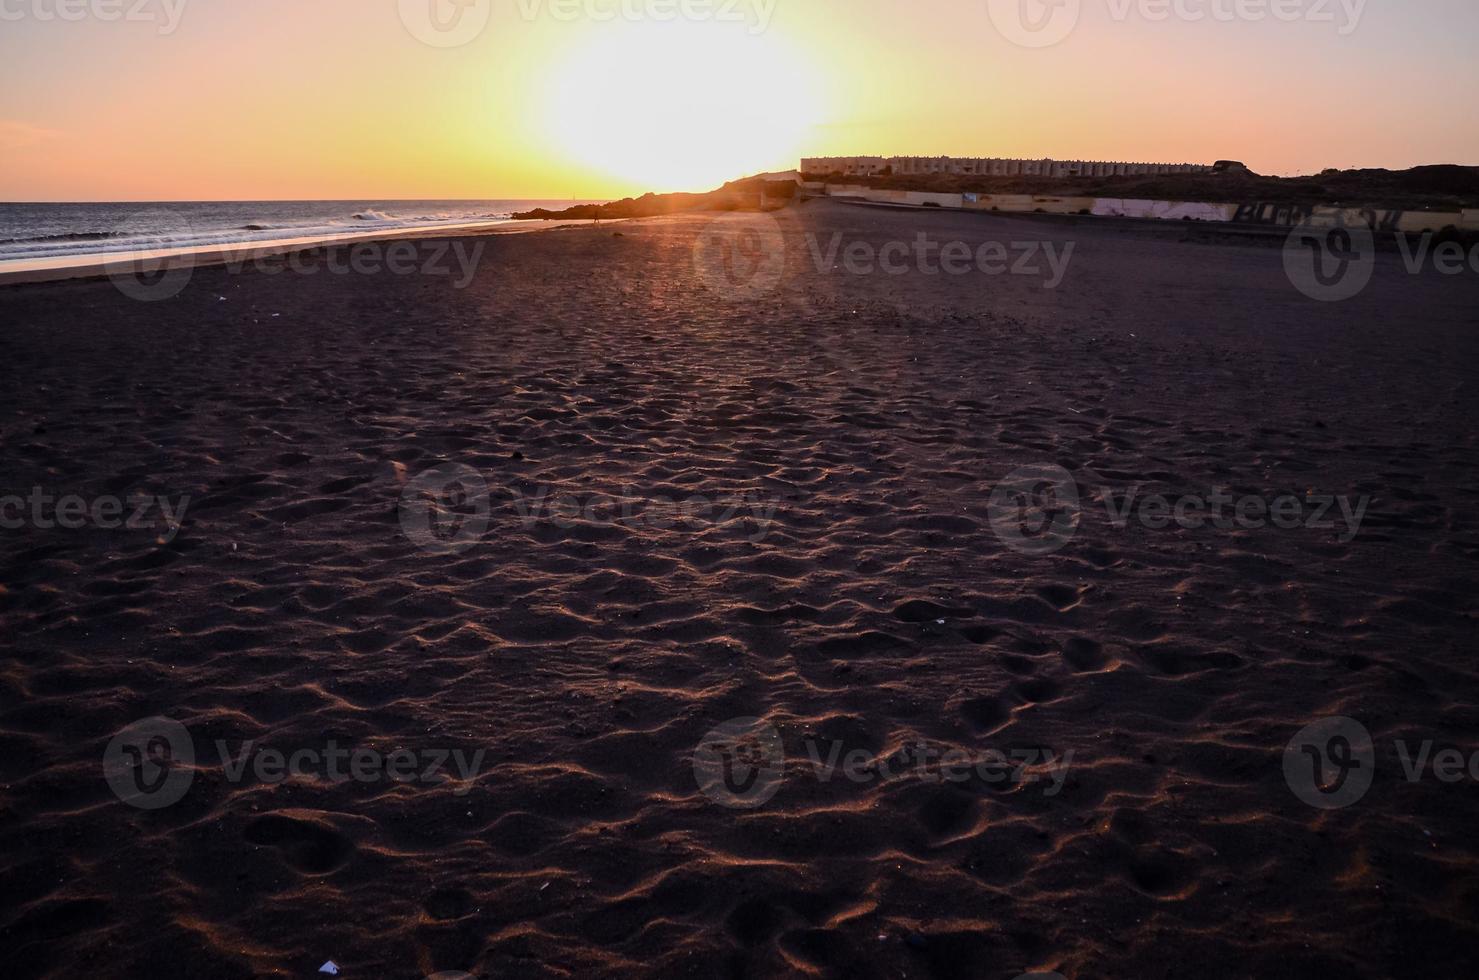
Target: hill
{"points": [[750, 194]]}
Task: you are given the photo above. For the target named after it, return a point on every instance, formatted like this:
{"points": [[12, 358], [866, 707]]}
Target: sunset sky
{"points": [[339, 99]]}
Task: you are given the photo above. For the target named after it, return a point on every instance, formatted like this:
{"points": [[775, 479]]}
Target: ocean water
{"points": [[61, 231]]}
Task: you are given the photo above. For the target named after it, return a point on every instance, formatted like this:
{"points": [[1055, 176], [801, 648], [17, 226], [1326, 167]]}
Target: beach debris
{"points": [[329, 967]]}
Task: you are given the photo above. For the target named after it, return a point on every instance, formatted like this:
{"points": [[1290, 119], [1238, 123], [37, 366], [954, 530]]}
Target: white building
{"points": [[852, 166], [992, 167]]}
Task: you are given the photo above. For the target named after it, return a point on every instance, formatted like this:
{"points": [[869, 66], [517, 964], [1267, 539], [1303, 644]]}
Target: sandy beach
{"points": [[733, 666]]}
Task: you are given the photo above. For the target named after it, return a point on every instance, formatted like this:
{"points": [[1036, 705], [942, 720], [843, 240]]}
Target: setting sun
{"points": [[681, 106]]}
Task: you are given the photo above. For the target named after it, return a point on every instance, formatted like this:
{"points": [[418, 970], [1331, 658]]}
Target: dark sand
{"points": [[877, 413]]}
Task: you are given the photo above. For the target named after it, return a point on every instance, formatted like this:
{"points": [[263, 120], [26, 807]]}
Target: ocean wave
{"points": [[75, 236], [433, 218], [61, 232]]}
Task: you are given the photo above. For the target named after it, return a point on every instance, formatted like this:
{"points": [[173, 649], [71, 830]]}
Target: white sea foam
{"points": [[32, 232]]}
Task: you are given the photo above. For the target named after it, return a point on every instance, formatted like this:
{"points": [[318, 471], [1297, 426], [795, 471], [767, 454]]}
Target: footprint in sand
{"points": [[986, 714], [309, 846], [446, 904], [1084, 655]]}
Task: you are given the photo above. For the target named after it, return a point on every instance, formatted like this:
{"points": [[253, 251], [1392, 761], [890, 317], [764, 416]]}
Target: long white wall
{"points": [[992, 167], [1254, 214]]}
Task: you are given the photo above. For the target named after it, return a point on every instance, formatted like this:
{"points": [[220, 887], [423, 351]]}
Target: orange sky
{"points": [[341, 99]]}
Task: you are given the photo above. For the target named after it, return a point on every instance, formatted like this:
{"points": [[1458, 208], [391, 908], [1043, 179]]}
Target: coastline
{"points": [[104, 265], [101, 264]]}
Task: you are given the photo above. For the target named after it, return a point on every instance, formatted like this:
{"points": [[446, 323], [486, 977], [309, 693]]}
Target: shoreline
{"points": [[97, 265], [104, 265]]}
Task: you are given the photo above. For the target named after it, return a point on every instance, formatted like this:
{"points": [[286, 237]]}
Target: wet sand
{"points": [[858, 596]]}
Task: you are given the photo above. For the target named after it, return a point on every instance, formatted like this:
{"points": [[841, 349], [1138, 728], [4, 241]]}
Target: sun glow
{"points": [[682, 106]]}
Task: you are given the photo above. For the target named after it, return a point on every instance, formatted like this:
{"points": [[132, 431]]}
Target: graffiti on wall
{"points": [[1295, 215], [1115, 207]]}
